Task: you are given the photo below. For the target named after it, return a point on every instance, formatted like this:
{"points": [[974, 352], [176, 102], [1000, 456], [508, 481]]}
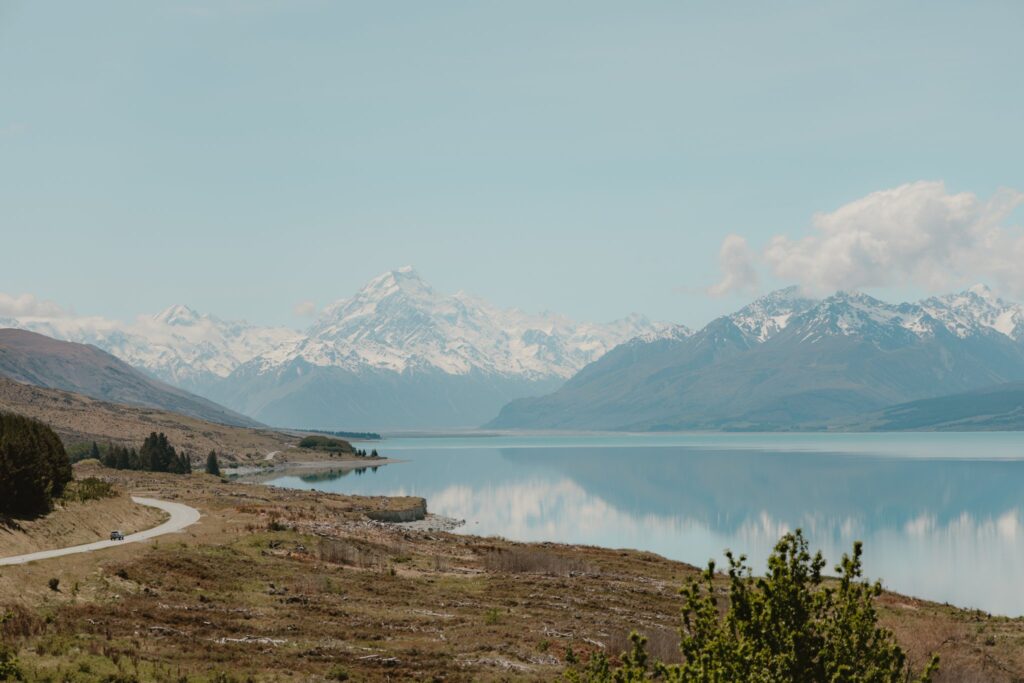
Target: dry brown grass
{"points": [[78, 418], [533, 560]]}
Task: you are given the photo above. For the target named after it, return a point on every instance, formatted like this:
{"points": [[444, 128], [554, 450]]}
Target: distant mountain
{"points": [[998, 408], [399, 355], [179, 346], [38, 360], [789, 362]]}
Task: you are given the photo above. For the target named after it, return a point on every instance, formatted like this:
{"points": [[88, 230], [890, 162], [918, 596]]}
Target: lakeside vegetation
{"points": [[34, 468], [357, 436], [326, 443]]}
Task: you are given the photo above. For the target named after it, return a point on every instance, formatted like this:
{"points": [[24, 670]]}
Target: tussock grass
{"points": [[533, 561]]}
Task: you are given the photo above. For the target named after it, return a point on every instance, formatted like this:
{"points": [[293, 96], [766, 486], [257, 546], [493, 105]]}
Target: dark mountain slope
{"points": [[997, 408], [35, 359]]}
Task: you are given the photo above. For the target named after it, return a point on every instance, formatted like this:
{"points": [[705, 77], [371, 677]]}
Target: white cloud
{"points": [[737, 262], [914, 234], [28, 305], [304, 309]]}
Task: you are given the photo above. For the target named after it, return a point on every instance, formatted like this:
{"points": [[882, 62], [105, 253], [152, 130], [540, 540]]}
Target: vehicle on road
{"points": [[116, 536]]}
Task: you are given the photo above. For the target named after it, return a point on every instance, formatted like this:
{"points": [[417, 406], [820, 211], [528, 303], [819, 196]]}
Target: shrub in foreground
{"points": [[791, 625]]}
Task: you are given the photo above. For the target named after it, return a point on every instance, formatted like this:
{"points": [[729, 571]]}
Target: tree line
{"points": [[34, 468], [156, 455]]}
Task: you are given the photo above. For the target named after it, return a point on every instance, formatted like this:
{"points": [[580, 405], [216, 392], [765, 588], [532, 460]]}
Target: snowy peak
{"points": [[398, 322], [404, 281], [857, 314], [177, 314], [977, 310], [765, 317]]}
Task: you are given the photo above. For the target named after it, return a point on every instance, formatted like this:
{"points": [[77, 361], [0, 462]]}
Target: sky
{"points": [[261, 159]]}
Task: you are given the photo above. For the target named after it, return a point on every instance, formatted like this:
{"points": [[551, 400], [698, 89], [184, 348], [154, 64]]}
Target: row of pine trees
{"points": [[156, 455]]}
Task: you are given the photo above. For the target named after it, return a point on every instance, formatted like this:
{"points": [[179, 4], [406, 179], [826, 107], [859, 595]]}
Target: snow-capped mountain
{"points": [[398, 354], [398, 323], [975, 310], [786, 361], [764, 317], [178, 345]]}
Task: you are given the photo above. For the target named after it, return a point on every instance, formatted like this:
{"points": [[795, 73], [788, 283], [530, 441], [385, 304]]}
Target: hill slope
{"points": [[44, 362], [998, 408], [78, 418]]}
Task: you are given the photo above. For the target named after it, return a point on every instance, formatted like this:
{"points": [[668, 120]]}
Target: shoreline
{"points": [[254, 474]]}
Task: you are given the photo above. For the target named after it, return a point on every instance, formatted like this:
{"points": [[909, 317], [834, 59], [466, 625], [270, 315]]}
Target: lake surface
{"points": [[941, 515]]}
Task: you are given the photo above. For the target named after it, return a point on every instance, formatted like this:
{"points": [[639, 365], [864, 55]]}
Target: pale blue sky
{"points": [[584, 157]]}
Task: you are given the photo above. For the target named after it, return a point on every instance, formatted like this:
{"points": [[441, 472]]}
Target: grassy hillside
{"points": [[998, 408], [78, 418], [44, 362]]}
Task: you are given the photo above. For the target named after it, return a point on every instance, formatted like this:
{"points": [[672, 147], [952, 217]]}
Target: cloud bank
{"points": [[304, 309], [914, 234], [29, 306]]}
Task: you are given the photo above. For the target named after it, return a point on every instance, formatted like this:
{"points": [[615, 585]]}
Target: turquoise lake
{"points": [[941, 515]]}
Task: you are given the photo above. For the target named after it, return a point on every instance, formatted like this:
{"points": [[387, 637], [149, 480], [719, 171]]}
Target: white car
{"points": [[116, 536]]}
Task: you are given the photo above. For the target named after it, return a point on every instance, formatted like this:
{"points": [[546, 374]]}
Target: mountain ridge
{"points": [[397, 354], [32, 358], [787, 362]]}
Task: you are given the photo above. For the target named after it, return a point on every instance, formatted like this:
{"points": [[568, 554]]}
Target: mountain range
{"points": [[787, 361], [397, 355]]}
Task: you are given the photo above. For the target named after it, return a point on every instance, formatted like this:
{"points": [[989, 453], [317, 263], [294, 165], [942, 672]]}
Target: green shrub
{"points": [[788, 626], [9, 669], [337, 673], [88, 489]]}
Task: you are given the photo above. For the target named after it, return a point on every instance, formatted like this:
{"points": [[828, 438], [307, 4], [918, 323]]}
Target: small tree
{"points": [[94, 452], [212, 466], [787, 626]]}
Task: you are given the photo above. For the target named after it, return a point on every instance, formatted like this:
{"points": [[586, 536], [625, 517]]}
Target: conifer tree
{"points": [[212, 466]]}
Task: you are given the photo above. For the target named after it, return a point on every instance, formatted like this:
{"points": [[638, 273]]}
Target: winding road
{"points": [[182, 516]]}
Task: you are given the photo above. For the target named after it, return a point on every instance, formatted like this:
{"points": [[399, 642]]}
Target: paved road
{"points": [[182, 516]]}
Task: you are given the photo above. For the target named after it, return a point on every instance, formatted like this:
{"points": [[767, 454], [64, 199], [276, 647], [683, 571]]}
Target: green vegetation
{"points": [[358, 436], [34, 468], [87, 489], [84, 450], [326, 443], [212, 466], [788, 626], [156, 455], [9, 669]]}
